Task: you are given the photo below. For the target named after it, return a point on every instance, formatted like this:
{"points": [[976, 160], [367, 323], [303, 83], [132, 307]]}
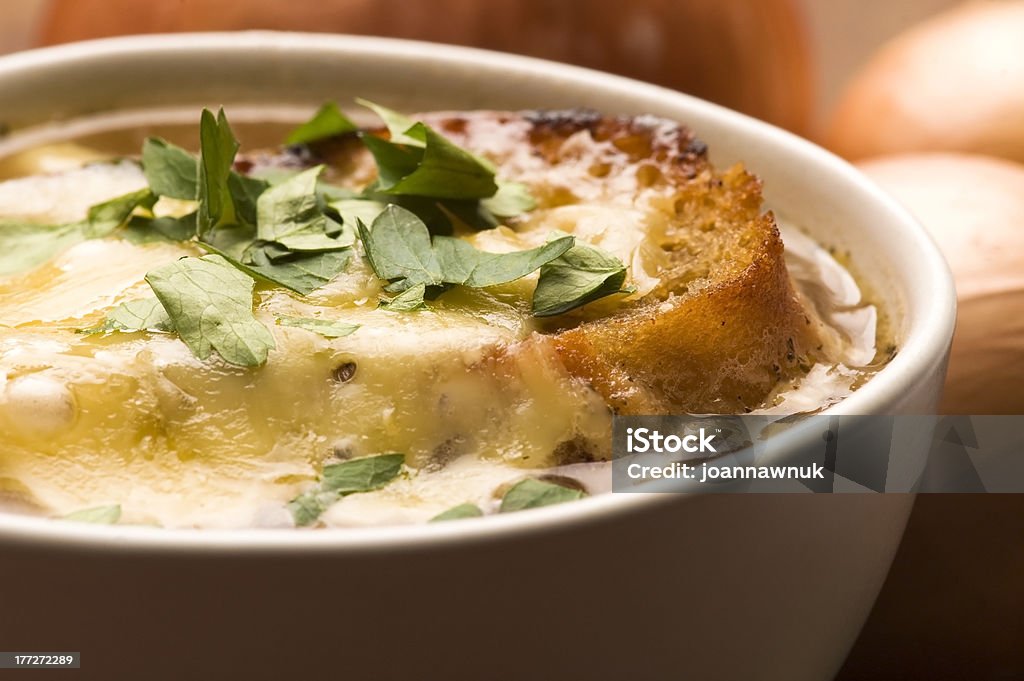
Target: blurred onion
{"points": [[974, 207], [953, 83], [750, 56]]}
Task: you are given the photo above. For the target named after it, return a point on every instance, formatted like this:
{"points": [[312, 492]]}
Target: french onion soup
{"points": [[431, 317]]}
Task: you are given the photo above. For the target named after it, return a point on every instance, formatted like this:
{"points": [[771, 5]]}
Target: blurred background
{"points": [[780, 60], [926, 96]]}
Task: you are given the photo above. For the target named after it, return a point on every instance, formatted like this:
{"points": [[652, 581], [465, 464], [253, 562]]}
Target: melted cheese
{"points": [[135, 419]]}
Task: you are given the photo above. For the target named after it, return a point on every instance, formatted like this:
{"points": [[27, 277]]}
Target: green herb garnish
{"points": [[532, 493], [146, 314], [143, 230], [443, 171], [306, 508], [341, 479], [217, 156], [581, 275], [210, 303], [299, 233], [353, 210], [170, 170], [301, 273], [407, 301], [511, 199], [291, 215], [25, 245], [463, 264], [104, 218], [101, 515], [418, 161], [327, 122], [396, 123], [281, 234], [399, 250], [328, 328], [458, 512], [402, 253], [362, 475]]}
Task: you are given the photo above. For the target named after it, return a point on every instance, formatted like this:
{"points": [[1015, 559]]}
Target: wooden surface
{"points": [[953, 605]]}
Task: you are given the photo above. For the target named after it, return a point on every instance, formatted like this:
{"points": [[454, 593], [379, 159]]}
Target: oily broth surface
{"points": [[818, 276], [64, 146]]}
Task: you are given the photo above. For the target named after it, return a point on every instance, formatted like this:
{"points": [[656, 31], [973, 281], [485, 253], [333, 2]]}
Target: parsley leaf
{"points": [[328, 328], [226, 197], [218, 148], [301, 273], [511, 199], [458, 512], [352, 211], [307, 507], [397, 124], [445, 171], [408, 300], [463, 264], [242, 219], [104, 218], [245, 192], [210, 304], [419, 161], [26, 245], [364, 474], [440, 217], [399, 249], [582, 275], [146, 314], [532, 493], [394, 161], [144, 230], [290, 214], [170, 170], [327, 122], [101, 515], [331, 192]]}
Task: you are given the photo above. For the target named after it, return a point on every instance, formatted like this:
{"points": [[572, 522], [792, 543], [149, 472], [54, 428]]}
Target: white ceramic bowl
{"points": [[624, 586]]}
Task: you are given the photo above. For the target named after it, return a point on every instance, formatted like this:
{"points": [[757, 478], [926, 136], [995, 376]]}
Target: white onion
{"points": [[974, 207], [953, 83]]}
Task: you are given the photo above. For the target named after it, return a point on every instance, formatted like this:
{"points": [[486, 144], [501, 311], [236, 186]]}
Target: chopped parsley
{"points": [[459, 512], [328, 328], [100, 515], [400, 250], [295, 231], [531, 493], [338, 480], [579, 276], [209, 303], [327, 122]]}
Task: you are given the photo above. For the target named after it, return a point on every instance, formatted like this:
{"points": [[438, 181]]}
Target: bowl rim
{"points": [[924, 348]]}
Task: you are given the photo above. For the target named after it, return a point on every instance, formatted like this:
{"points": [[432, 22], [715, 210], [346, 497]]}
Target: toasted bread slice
{"points": [[725, 325]]}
